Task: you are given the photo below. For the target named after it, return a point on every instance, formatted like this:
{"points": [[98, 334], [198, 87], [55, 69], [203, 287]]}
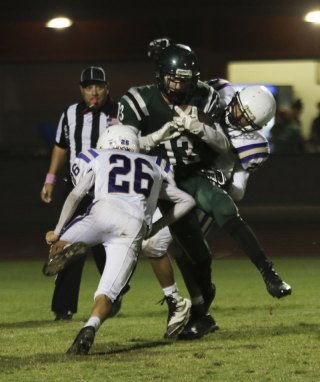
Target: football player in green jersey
{"points": [[151, 109], [243, 116], [191, 154]]}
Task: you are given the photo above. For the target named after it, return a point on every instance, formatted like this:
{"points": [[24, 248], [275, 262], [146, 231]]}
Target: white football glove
{"points": [[190, 121], [168, 131]]}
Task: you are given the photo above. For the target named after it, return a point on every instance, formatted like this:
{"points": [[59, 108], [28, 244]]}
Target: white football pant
{"points": [[120, 227]]}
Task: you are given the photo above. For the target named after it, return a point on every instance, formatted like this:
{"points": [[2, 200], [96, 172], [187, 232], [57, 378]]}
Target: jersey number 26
{"points": [[133, 171]]}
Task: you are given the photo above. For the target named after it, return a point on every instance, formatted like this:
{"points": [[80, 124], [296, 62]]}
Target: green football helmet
{"points": [[177, 63]]}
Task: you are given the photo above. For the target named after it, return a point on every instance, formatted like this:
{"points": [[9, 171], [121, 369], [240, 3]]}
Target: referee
{"points": [[79, 128]]}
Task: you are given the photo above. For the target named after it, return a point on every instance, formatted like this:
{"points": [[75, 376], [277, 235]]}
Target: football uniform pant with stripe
{"points": [[120, 228], [67, 283]]}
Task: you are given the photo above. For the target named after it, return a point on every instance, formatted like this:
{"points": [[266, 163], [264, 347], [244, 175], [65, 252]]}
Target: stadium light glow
{"points": [[59, 23], [312, 17]]}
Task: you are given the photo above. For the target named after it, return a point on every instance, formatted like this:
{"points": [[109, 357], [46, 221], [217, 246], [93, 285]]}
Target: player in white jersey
{"points": [[250, 147], [155, 249], [127, 186], [249, 150], [244, 116]]}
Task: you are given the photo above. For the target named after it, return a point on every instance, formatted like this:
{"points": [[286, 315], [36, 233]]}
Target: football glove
{"points": [[165, 133], [190, 121]]}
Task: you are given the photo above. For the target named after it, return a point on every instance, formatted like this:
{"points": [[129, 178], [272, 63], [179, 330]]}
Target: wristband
{"points": [[50, 179]]}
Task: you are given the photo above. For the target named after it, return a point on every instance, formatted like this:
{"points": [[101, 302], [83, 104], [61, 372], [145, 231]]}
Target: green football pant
{"points": [[210, 198]]}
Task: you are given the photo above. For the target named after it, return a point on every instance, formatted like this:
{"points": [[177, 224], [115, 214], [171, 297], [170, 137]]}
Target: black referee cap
{"points": [[92, 74]]}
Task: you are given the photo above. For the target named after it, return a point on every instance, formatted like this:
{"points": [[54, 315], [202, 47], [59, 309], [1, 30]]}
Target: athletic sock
{"points": [[94, 321], [170, 289]]}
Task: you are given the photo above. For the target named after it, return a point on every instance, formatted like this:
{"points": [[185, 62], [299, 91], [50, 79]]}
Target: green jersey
{"points": [[144, 108]]}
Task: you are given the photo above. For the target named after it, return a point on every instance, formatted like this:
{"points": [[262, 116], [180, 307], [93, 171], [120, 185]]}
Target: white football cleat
{"points": [[178, 314]]}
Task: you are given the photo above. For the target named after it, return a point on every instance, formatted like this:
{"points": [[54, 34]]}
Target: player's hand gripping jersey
{"points": [[134, 178]]}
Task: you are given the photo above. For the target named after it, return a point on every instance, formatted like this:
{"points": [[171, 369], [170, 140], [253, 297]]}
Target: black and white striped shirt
{"points": [[79, 129]]}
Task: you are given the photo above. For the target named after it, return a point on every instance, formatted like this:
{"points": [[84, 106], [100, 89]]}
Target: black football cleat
{"points": [[64, 316], [198, 327], [274, 284], [61, 259], [83, 342]]}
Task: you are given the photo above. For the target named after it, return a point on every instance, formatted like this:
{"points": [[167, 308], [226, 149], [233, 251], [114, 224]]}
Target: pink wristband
{"points": [[50, 179]]}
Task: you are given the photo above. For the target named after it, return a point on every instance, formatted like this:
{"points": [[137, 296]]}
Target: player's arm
{"points": [[183, 203], [168, 131], [212, 134], [251, 151], [71, 204], [237, 187]]}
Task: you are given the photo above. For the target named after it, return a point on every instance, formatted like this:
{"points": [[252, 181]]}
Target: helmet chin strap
{"points": [[175, 98]]}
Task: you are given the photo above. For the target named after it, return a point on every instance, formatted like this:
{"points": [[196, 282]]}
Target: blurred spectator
{"points": [[315, 132], [297, 109], [285, 135]]}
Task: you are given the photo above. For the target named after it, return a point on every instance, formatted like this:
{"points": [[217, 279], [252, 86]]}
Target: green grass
{"points": [[260, 338]]}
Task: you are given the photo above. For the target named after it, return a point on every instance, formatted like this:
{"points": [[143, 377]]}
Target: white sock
{"points": [[94, 321], [170, 289]]}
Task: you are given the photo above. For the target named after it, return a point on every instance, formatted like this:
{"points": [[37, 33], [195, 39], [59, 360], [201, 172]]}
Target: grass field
{"points": [[260, 338]]}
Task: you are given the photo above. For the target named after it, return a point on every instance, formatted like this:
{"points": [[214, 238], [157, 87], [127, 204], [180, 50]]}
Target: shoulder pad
{"points": [[218, 83], [137, 98], [224, 88], [206, 98]]}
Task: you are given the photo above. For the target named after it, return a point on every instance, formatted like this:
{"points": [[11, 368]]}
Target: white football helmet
{"points": [[122, 137], [256, 104]]}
